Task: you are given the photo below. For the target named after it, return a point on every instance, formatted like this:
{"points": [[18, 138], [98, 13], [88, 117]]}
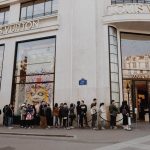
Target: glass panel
{"points": [[115, 87], [54, 5], [113, 58], [127, 1], [23, 12], [48, 6], [113, 49], [6, 17], [33, 93], [34, 73], [1, 17], [30, 10], [1, 58], [114, 77], [38, 8], [147, 1], [114, 71], [114, 68], [112, 31], [135, 1], [141, 1], [113, 1], [113, 40], [119, 1], [115, 96]]}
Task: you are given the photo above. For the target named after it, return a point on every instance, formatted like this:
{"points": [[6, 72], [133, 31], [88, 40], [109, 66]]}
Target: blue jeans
{"points": [[10, 121]]}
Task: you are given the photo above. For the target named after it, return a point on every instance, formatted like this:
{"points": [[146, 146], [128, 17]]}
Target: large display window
{"points": [[114, 65], [34, 72], [135, 50]]}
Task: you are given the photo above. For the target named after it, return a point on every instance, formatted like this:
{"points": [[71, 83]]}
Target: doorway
{"points": [[141, 100], [138, 98]]}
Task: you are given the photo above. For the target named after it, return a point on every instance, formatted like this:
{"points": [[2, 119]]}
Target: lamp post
{"points": [[128, 90], [129, 118]]}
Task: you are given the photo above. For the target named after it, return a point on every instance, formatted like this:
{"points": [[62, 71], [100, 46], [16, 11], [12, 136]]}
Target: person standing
{"points": [[102, 110], [48, 115], [71, 115], [42, 113], [83, 109], [56, 115], [23, 115], [78, 110], [9, 115], [94, 115], [65, 112], [113, 114], [124, 109], [60, 114]]}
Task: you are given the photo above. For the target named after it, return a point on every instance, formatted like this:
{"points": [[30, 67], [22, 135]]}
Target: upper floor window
{"points": [[4, 12], [129, 1], [37, 8]]}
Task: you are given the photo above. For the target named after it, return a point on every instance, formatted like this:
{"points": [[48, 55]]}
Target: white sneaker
{"points": [[10, 127], [102, 128]]}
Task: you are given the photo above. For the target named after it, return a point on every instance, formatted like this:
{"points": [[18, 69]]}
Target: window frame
{"points": [[15, 61], [38, 15], [5, 10], [112, 72]]}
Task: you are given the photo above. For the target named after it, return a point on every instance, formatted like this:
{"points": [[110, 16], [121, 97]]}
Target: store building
{"points": [[68, 50]]}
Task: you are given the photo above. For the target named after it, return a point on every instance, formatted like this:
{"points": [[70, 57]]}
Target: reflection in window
{"points": [[4, 13], [1, 60], [38, 8], [34, 72], [114, 71]]}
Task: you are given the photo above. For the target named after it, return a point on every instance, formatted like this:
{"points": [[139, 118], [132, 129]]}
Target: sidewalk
{"points": [[81, 139], [115, 135]]}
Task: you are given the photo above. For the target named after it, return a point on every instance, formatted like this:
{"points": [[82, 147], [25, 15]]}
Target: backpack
{"points": [[124, 111], [29, 116]]}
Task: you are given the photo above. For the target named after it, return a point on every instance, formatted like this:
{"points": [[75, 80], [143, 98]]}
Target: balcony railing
{"points": [[129, 1]]}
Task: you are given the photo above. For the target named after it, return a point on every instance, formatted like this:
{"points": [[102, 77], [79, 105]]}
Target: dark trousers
{"points": [[60, 120], [94, 118], [112, 121], [65, 123], [83, 118], [71, 120]]}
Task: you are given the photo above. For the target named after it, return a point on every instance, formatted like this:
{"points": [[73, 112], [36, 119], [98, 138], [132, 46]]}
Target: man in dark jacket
{"points": [[78, 109], [65, 112], [113, 114], [83, 111]]}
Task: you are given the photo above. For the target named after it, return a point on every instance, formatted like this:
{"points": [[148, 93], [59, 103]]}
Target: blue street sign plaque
{"points": [[82, 82]]}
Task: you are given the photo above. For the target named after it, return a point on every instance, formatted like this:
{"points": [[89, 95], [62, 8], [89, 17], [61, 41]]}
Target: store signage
{"points": [[138, 76], [128, 9], [19, 27], [82, 82]]}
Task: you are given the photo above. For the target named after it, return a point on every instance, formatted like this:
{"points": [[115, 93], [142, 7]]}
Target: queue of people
{"points": [[64, 116]]}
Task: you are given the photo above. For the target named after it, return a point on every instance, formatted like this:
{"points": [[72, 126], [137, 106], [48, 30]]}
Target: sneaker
{"points": [[102, 128], [10, 127], [115, 127]]}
